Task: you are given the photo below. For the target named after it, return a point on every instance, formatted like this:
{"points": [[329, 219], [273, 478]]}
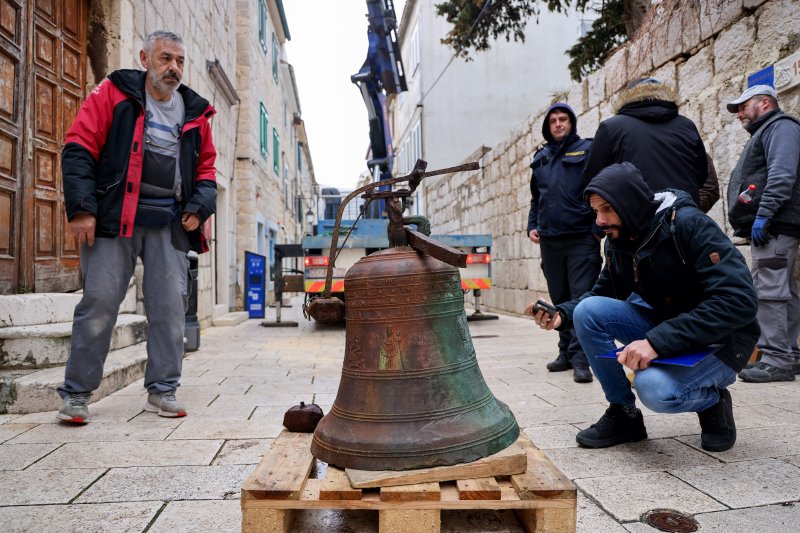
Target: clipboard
{"points": [[687, 359]]}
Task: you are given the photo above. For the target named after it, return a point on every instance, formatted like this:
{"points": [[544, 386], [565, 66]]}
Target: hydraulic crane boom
{"points": [[381, 74]]}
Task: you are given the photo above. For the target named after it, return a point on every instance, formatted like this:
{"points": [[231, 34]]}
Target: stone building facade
{"points": [[706, 50], [275, 184]]}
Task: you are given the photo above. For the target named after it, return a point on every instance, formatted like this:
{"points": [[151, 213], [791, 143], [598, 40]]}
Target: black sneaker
{"points": [[559, 364], [765, 373], [614, 427], [796, 369], [717, 425], [582, 374]]}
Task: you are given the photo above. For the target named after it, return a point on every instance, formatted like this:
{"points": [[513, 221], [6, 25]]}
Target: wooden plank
{"points": [[421, 492], [336, 486], [409, 521], [542, 479], [260, 520], [284, 469], [511, 460], [484, 488], [548, 520], [371, 501]]}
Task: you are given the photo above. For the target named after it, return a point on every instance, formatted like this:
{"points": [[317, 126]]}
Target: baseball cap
{"points": [[755, 90]]}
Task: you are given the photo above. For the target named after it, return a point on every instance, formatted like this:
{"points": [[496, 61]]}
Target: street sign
{"points": [[787, 72], [254, 284], [762, 77]]}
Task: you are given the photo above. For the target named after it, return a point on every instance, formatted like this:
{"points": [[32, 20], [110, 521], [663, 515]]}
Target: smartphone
{"points": [[541, 305]]}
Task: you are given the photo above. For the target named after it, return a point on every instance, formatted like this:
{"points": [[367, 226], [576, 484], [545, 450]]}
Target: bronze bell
{"points": [[411, 393]]}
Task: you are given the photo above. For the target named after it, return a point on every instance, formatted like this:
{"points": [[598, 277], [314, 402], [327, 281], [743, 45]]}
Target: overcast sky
{"points": [[329, 44]]}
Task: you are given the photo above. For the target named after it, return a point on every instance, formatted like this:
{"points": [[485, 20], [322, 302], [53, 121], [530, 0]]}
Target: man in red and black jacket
{"points": [[139, 181]]}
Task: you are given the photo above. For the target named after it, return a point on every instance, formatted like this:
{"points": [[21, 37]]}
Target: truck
{"points": [[362, 230], [359, 238]]}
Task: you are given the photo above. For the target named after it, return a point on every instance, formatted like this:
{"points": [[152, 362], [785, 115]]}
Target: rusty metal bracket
{"points": [[442, 252]]}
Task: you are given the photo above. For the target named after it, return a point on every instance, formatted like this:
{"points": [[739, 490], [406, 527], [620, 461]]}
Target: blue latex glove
{"points": [[759, 234]]}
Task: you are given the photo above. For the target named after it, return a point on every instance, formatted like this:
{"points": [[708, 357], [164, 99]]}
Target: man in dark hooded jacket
{"points": [[648, 132], [672, 284], [560, 222]]}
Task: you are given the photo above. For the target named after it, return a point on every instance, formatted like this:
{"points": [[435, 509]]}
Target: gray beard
{"points": [[160, 86]]}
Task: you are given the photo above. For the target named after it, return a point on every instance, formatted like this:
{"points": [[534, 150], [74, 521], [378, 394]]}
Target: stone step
{"points": [[48, 308], [38, 308], [231, 319], [40, 346], [36, 391]]}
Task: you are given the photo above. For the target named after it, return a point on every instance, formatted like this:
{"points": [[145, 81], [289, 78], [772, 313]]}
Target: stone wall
{"points": [[704, 49]]}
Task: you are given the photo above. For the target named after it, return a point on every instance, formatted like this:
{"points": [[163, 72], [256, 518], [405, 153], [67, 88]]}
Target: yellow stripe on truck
{"points": [[476, 283], [319, 286]]}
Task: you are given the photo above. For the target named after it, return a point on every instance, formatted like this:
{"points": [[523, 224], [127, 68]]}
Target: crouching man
{"points": [[672, 284]]}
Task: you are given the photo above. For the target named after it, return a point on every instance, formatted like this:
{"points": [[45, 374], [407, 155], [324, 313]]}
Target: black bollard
{"points": [[191, 336]]}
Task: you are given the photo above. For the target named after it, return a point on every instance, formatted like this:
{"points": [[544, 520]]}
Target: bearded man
{"points": [[673, 284], [139, 181]]}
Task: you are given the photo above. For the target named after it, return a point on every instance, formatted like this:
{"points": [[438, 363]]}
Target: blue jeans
{"points": [[599, 321]]}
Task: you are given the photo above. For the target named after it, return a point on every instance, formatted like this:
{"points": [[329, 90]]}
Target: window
{"points": [[415, 55], [274, 58], [262, 24], [286, 185], [299, 158], [276, 154], [416, 144], [263, 130]]}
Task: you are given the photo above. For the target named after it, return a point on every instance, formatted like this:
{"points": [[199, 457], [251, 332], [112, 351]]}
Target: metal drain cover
{"points": [[670, 520]]}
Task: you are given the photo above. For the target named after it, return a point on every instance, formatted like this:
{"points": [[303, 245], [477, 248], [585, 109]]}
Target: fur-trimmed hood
{"points": [[646, 93]]}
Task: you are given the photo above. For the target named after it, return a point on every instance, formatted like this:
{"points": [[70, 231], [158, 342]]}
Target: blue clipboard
{"points": [[687, 359]]}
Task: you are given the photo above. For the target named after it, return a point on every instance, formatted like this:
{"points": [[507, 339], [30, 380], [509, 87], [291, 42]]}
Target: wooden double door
{"points": [[42, 84]]}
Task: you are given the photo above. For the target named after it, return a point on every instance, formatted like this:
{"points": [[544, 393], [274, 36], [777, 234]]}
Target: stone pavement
{"points": [[130, 470]]}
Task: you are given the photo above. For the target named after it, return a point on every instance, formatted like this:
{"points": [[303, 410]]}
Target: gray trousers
{"points": [[107, 269], [778, 300]]}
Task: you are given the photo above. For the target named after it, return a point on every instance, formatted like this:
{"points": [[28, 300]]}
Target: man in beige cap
{"points": [[770, 162]]}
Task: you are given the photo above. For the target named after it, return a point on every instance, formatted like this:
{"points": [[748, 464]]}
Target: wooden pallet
{"points": [[542, 497]]}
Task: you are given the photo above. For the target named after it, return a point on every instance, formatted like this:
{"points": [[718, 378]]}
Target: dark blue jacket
{"points": [[682, 264], [557, 206]]}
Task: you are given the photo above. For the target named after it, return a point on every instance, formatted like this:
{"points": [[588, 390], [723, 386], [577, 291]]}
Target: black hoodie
{"points": [[557, 209], [682, 264], [648, 131]]}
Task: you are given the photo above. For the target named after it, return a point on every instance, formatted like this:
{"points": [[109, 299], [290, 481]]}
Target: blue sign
{"points": [[765, 76], [255, 284]]}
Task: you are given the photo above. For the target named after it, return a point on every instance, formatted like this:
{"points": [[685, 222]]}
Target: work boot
{"points": [[74, 409], [765, 373], [165, 404], [616, 426], [559, 364], [717, 425], [582, 373]]}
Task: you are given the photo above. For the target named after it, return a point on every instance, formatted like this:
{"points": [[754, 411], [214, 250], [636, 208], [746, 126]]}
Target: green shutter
{"points": [[263, 130], [276, 163], [274, 58], [262, 24]]}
